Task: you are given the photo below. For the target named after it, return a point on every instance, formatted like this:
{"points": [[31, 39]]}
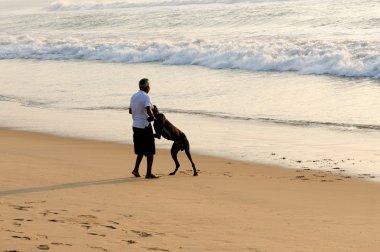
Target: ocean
{"points": [[293, 83]]}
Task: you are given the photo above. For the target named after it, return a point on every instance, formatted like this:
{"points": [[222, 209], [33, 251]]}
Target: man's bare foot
{"points": [[151, 176], [136, 173]]}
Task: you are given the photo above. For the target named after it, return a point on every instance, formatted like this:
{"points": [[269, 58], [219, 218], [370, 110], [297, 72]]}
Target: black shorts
{"points": [[143, 141]]}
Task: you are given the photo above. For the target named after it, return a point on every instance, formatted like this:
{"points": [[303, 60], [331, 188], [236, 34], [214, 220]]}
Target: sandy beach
{"points": [[64, 194], [279, 100]]}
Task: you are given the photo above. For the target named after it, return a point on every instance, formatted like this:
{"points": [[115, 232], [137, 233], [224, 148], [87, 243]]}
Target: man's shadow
{"points": [[69, 186]]}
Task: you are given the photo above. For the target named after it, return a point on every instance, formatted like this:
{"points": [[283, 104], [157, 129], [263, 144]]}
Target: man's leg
{"points": [[137, 165], [151, 149], [149, 163]]}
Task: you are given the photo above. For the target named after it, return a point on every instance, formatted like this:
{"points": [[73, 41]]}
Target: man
{"points": [[143, 138]]}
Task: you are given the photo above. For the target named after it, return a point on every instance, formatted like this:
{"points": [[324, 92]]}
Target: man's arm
{"points": [[150, 114], [158, 125]]}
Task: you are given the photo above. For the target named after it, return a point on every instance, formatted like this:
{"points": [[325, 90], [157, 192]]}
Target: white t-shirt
{"points": [[139, 102]]}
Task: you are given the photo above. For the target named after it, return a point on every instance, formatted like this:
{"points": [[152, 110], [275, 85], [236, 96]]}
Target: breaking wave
{"points": [[69, 6], [339, 58]]}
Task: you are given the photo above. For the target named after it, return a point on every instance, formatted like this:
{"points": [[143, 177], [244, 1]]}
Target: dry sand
{"points": [[63, 194]]}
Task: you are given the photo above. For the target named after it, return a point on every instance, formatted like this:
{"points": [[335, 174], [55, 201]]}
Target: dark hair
{"points": [[143, 83]]}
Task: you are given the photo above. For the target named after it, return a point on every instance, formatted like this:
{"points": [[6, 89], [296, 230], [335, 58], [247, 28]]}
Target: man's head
{"points": [[144, 85]]}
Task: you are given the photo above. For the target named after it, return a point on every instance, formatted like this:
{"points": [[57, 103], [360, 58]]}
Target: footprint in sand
{"points": [[61, 244], [130, 241], [86, 225], [56, 243], [87, 216], [21, 237], [227, 174], [49, 212], [43, 236], [158, 249], [22, 208], [302, 177], [141, 233], [319, 176], [22, 220], [127, 215], [102, 235], [108, 226], [86, 220], [255, 250], [12, 231], [11, 251], [34, 202], [99, 248], [43, 247], [16, 224]]}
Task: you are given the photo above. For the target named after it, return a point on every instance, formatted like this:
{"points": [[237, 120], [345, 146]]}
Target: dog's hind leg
{"points": [[174, 152], [187, 151]]}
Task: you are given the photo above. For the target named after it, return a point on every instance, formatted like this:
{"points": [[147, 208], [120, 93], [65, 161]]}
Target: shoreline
{"points": [[73, 194], [297, 165]]}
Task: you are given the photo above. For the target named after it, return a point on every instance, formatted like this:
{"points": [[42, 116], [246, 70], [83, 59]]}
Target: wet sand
{"points": [[64, 194]]}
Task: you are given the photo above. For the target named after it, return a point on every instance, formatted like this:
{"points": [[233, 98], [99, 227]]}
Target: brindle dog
{"points": [[167, 130]]}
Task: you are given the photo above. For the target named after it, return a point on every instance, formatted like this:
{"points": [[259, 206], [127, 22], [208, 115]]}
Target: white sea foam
{"points": [[64, 5], [348, 58]]}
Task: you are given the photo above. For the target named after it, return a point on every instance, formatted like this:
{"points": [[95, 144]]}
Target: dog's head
{"points": [[155, 110]]}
